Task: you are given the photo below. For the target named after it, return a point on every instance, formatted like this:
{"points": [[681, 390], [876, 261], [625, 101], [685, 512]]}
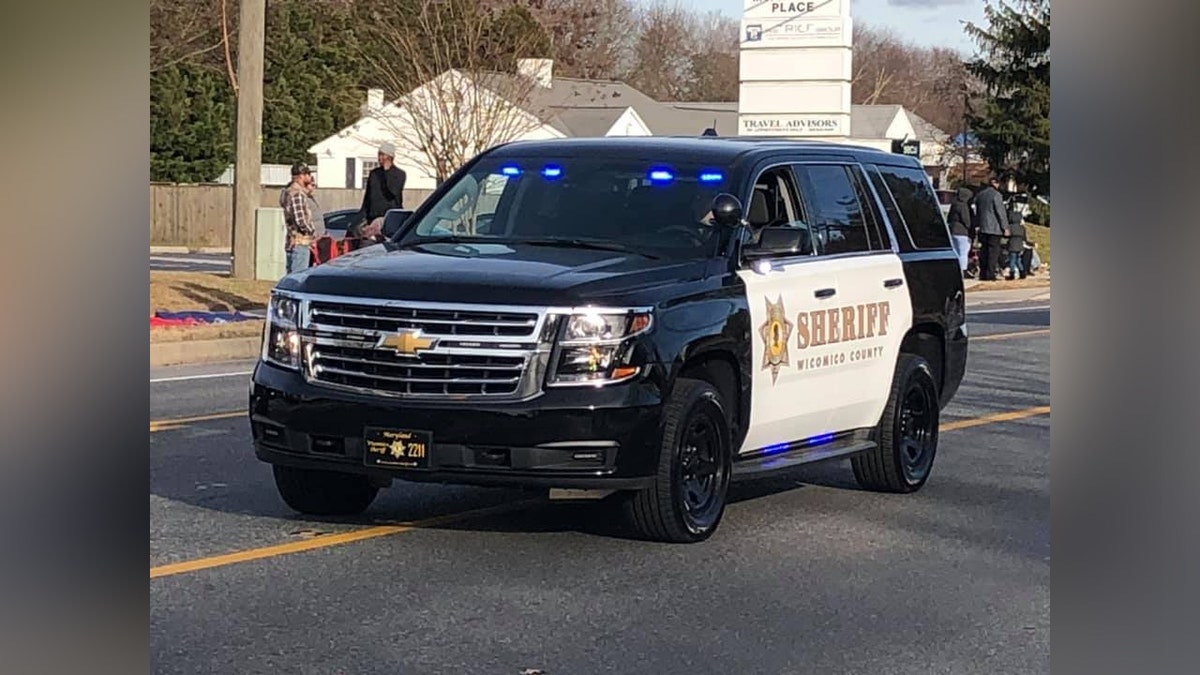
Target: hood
{"points": [[492, 273], [964, 194]]}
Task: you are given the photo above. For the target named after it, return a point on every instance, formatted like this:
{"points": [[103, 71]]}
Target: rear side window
{"points": [[836, 213], [918, 206]]}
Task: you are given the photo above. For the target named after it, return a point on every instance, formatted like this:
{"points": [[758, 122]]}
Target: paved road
{"points": [[807, 573], [190, 262]]}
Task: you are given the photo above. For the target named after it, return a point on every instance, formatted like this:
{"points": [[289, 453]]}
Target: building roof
{"points": [[926, 131], [588, 108]]}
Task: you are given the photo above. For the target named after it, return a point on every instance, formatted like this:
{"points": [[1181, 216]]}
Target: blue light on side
{"points": [[511, 171], [661, 176], [820, 440], [711, 177], [776, 449], [552, 171]]}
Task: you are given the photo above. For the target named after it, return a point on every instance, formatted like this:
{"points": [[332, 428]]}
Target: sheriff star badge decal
{"points": [[775, 332]]}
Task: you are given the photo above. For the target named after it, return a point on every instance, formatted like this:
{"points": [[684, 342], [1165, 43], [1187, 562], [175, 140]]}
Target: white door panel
{"points": [[787, 402], [863, 342]]}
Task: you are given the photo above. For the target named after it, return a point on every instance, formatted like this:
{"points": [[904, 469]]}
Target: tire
{"points": [[687, 500], [324, 493], [907, 435]]}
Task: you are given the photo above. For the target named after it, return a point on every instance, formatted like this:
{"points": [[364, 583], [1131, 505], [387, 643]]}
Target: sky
{"points": [[929, 23]]}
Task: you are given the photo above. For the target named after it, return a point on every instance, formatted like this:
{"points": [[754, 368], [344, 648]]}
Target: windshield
{"points": [[656, 209]]}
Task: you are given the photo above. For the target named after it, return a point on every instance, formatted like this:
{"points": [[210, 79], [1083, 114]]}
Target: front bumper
{"points": [[603, 438]]}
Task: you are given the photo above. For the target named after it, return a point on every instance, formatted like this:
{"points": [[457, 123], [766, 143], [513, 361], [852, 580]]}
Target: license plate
{"points": [[397, 448]]}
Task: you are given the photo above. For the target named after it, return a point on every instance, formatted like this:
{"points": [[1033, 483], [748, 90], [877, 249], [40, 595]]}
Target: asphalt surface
{"points": [[190, 262], [806, 574]]}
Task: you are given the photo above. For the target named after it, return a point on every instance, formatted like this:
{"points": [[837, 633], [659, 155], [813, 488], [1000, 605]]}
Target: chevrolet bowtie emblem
{"points": [[406, 343]]}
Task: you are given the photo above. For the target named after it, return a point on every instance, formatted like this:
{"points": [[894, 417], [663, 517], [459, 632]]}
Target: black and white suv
{"points": [[648, 317]]}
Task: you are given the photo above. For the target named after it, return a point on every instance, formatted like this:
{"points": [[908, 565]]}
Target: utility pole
{"points": [[247, 176]]}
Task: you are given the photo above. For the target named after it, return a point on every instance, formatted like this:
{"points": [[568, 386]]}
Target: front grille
{"points": [[478, 351], [432, 322], [430, 374]]}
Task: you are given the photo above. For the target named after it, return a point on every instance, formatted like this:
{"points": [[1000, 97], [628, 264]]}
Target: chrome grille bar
{"points": [[467, 352]]}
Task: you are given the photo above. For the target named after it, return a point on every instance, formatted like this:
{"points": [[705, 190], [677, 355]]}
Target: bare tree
{"points": [[453, 65], [662, 54], [591, 39], [715, 53], [184, 31]]}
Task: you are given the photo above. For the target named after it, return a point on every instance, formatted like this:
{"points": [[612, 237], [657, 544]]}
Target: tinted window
{"points": [[834, 209], [628, 203], [918, 206]]}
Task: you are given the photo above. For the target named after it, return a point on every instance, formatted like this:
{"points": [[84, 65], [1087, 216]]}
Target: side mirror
{"points": [[780, 241], [394, 220], [727, 210]]}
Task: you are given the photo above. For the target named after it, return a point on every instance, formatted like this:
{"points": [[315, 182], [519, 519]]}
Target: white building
{"points": [[557, 107]]}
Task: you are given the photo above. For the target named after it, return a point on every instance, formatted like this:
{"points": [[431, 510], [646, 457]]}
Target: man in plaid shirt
{"points": [[297, 215]]}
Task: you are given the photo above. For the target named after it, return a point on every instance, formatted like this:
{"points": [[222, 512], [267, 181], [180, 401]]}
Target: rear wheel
{"points": [[324, 493], [907, 435], [687, 500]]}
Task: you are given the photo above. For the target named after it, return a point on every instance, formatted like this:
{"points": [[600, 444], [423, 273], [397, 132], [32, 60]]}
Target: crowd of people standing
{"points": [[984, 217]]}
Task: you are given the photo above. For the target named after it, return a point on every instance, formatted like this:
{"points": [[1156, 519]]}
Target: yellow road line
{"points": [[178, 422], [996, 418], [325, 541], [1005, 336]]}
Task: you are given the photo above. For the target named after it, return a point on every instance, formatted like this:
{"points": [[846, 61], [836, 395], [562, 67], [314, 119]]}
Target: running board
{"points": [[795, 454]]}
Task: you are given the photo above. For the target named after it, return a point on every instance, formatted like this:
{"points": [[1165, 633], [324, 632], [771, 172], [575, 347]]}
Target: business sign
{"points": [[795, 71], [912, 148], [793, 124], [769, 33], [789, 9]]}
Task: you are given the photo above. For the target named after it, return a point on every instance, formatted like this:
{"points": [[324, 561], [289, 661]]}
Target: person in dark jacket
{"points": [[1016, 244], [993, 219], [959, 220], [385, 190]]}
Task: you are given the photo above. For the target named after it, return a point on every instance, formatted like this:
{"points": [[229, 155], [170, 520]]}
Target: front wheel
{"points": [[324, 493], [687, 500], [907, 435]]}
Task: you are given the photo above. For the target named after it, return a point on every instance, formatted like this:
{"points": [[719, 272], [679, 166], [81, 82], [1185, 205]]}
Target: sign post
{"points": [[795, 69]]}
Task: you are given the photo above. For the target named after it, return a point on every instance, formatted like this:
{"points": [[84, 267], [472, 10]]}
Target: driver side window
{"points": [[775, 203]]}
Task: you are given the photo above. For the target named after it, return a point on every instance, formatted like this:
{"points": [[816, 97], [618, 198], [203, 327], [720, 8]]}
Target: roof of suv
{"points": [[722, 149]]}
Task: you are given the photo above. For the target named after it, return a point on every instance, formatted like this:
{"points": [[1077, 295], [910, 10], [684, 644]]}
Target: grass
{"points": [[1039, 236], [206, 292], [242, 329]]}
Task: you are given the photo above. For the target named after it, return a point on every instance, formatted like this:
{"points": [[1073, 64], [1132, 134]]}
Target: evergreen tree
{"points": [[1013, 124], [192, 117], [311, 77]]}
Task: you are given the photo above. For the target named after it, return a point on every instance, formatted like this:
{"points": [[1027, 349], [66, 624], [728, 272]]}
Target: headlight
{"points": [[595, 348], [281, 337]]}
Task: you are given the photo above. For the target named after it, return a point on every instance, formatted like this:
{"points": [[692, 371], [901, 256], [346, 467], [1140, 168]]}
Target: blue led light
{"points": [[511, 171], [661, 176], [818, 440], [775, 449], [552, 171], [711, 177]]}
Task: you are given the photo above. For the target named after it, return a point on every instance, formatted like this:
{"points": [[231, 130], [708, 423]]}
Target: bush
{"points": [[1039, 213]]}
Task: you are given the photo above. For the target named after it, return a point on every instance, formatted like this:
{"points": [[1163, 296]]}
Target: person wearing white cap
{"points": [[385, 190]]}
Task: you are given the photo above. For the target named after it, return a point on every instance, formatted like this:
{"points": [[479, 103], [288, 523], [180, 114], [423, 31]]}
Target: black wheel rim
{"points": [[703, 470], [917, 431]]}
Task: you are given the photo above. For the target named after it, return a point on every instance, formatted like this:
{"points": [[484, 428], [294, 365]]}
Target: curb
{"points": [[188, 352]]}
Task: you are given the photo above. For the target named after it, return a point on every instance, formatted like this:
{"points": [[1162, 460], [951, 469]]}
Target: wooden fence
{"points": [[199, 216]]}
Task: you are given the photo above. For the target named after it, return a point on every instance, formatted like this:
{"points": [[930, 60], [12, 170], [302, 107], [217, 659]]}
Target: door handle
{"points": [[825, 292], [893, 283]]}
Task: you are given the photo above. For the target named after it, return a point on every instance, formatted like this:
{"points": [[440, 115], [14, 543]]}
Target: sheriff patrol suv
{"points": [[648, 316]]}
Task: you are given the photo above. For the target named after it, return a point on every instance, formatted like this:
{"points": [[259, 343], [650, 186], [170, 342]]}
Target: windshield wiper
{"points": [[597, 245]]}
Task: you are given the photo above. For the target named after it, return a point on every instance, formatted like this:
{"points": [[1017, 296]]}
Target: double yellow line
{"points": [[325, 541]]}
